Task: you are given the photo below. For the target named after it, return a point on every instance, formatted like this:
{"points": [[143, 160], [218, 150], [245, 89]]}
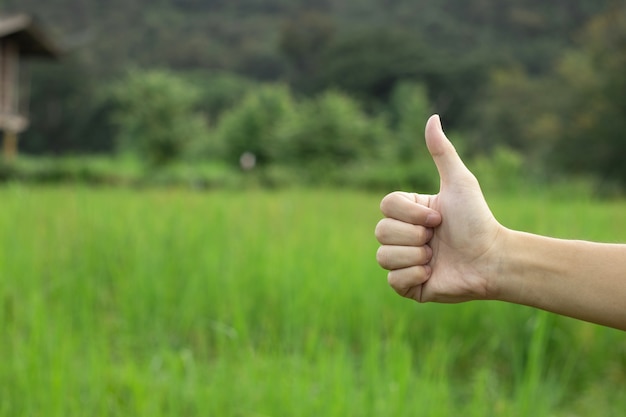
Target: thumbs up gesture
{"points": [[442, 247], [449, 248]]}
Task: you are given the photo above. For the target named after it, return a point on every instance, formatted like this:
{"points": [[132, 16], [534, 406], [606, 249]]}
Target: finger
{"points": [[398, 257], [394, 232], [410, 208], [448, 162], [408, 281]]}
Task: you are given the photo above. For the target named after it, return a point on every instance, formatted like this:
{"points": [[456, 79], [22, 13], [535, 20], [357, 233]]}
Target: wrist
{"points": [[525, 261], [501, 275]]}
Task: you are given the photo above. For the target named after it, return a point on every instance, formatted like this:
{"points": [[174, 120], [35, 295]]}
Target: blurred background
{"points": [[124, 291], [277, 92]]}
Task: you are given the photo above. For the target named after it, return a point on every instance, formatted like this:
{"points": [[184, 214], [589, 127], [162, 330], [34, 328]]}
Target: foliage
{"points": [[571, 118], [516, 74], [155, 117], [368, 63], [328, 133], [501, 172], [303, 39], [219, 34], [328, 139], [69, 111], [594, 122], [218, 91], [410, 110], [89, 170], [518, 112], [252, 125]]}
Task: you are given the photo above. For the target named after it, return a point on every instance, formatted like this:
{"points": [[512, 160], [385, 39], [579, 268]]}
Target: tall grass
{"points": [[118, 302]]}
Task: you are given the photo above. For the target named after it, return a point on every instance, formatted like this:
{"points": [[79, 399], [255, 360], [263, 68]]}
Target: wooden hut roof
{"points": [[31, 39]]}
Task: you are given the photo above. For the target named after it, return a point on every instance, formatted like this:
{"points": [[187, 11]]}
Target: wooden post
{"points": [[9, 146], [10, 57], [9, 103]]}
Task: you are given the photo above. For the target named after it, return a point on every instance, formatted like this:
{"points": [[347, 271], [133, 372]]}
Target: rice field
{"points": [[120, 302]]}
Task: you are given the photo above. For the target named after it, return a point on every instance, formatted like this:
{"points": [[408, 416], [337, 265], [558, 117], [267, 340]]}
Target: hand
{"points": [[442, 247]]}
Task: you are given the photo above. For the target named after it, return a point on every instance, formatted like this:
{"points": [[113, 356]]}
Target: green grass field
{"points": [[116, 302]]}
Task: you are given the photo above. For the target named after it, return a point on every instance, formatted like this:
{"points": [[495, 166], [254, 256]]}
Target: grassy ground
{"points": [[118, 302]]}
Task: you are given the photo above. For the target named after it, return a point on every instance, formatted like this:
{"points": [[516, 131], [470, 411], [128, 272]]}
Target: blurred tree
{"points": [[69, 113], [155, 115], [327, 133], [451, 46], [302, 41], [517, 111], [594, 121], [410, 110], [218, 91], [261, 66], [368, 63], [251, 127]]}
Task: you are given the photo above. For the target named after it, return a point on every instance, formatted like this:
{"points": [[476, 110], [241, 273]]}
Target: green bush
{"points": [[329, 133], [92, 170], [329, 139], [155, 115], [252, 125], [502, 171], [219, 92], [410, 110]]}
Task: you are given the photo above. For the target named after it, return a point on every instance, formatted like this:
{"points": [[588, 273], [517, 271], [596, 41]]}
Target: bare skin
{"points": [[449, 248]]}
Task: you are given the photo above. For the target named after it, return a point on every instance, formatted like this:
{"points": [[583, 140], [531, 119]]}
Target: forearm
{"points": [[584, 280]]}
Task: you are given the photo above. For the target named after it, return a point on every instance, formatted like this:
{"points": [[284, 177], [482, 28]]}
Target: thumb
{"points": [[448, 162]]}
